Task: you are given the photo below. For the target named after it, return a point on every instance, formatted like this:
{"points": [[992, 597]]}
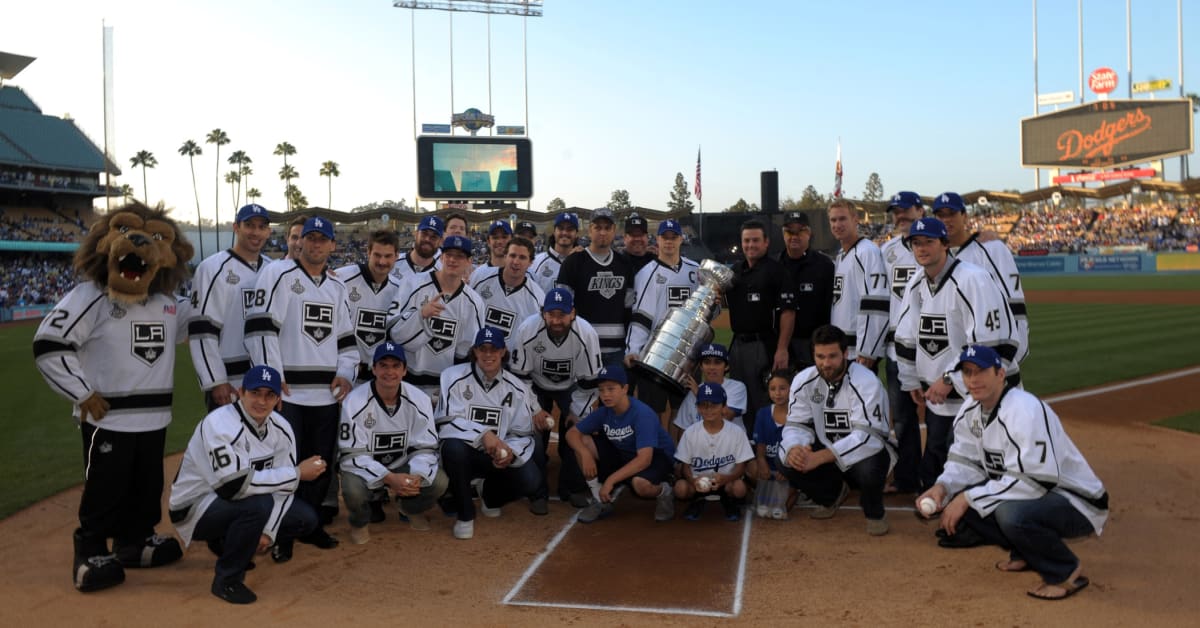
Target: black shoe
{"points": [[965, 537], [694, 510], [539, 506], [320, 538], [733, 511], [377, 514], [281, 552], [325, 514], [234, 592]]}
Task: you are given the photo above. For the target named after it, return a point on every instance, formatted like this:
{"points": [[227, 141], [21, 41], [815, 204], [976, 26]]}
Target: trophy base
{"points": [[658, 378]]}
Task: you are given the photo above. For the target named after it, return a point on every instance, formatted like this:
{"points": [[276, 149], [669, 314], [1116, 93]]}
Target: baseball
{"points": [[549, 422], [928, 506], [501, 453], [704, 485]]}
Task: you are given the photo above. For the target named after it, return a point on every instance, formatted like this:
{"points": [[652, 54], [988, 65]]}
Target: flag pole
{"points": [[699, 196]]}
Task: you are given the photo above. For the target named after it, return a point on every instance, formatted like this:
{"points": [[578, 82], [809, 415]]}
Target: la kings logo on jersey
{"points": [[500, 318], [556, 371], [934, 337], [606, 284], [485, 416], [148, 340], [266, 462], [369, 326], [837, 424], [388, 446], [318, 321], [994, 462], [837, 288], [676, 295], [900, 277], [443, 330]]}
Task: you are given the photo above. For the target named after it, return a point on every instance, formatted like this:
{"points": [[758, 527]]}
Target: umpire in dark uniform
{"points": [[812, 274], [761, 287]]}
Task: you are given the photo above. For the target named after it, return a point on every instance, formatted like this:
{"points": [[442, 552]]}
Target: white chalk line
{"points": [[1141, 381]]}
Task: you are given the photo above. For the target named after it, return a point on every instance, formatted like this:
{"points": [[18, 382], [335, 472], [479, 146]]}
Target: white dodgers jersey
{"points": [[713, 453], [223, 292]]}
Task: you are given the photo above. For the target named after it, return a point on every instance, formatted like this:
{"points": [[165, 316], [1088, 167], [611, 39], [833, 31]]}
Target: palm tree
{"points": [[145, 159], [252, 195], [190, 149], [296, 198], [238, 158], [245, 171], [285, 149], [220, 138], [286, 174], [233, 179], [330, 170], [126, 191]]}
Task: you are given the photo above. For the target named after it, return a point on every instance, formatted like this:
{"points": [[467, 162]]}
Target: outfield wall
{"points": [[1115, 263]]}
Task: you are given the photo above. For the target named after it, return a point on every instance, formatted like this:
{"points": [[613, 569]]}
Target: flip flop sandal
{"points": [[1069, 589]]}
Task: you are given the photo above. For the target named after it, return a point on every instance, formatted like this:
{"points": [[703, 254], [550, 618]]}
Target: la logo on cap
{"points": [[558, 296], [920, 224], [945, 198], [707, 390], [971, 351], [391, 347], [266, 375], [317, 222]]}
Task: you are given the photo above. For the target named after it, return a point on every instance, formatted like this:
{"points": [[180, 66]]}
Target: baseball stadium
{"points": [[1111, 278]]}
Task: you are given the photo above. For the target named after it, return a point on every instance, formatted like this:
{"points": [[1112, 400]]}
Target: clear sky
{"points": [[929, 94]]}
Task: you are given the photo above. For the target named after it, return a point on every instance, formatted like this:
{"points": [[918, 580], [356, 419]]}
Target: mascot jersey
{"points": [[124, 351]]}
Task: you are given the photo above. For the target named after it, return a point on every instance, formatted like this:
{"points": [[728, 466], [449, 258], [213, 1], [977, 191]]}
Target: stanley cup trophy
{"points": [[671, 353]]}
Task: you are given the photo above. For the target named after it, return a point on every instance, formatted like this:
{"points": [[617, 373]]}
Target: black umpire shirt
{"points": [[757, 292], [813, 279]]}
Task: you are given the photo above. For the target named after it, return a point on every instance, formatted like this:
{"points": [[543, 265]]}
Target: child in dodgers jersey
{"points": [[716, 450]]}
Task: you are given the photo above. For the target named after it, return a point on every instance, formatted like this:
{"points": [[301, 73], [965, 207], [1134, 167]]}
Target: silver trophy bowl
{"points": [[670, 355]]}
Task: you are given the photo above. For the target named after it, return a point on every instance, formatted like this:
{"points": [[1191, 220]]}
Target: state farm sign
{"points": [[1102, 81], [1107, 133]]}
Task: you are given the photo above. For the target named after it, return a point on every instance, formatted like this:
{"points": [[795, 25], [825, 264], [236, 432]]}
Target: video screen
{"points": [[474, 167]]}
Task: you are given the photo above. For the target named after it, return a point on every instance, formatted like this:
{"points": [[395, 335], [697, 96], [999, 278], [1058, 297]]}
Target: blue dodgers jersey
{"points": [[638, 427]]}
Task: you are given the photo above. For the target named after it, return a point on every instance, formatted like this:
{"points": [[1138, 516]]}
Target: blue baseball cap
{"points": [[559, 299], [316, 224], [928, 227], [489, 336], [905, 200], [432, 223], [949, 200], [500, 224], [567, 217], [710, 392], [253, 210], [979, 355], [457, 243], [714, 351], [603, 213], [262, 376], [669, 225], [612, 373], [634, 222], [389, 350]]}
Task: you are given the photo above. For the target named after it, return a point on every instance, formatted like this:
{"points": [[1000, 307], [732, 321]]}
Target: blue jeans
{"points": [[824, 484], [1033, 531], [239, 524], [358, 497], [463, 463], [908, 433]]}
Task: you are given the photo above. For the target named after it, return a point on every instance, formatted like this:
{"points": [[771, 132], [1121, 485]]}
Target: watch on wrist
{"points": [[946, 379]]}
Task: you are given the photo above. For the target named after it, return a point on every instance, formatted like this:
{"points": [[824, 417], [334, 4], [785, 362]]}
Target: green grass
{"points": [[1179, 281], [1189, 422]]}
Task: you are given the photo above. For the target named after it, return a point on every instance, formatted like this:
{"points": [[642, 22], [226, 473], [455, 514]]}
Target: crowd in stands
{"points": [[27, 178], [36, 228], [34, 278]]}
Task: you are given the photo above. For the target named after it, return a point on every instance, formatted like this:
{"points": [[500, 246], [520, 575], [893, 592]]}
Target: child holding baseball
{"points": [[773, 497], [713, 454]]}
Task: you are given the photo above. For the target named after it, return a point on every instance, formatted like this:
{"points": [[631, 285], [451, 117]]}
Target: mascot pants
{"points": [[123, 485], [315, 428]]}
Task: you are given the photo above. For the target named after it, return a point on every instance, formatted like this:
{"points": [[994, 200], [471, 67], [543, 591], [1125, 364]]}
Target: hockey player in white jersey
{"points": [[236, 484], [486, 431], [438, 317], [562, 243], [499, 234], [947, 305], [424, 255], [108, 347], [1015, 479], [387, 440], [223, 291], [303, 330], [837, 432], [860, 301], [372, 295], [509, 293]]}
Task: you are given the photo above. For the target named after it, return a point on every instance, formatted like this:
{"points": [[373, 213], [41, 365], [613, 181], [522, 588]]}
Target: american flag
{"points": [[697, 174], [837, 175]]}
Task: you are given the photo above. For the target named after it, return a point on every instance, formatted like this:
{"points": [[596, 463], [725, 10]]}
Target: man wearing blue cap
{"points": [[623, 442], [947, 305], [498, 235], [222, 290], [387, 440], [237, 482], [562, 243], [424, 255], [302, 329], [602, 282], [1015, 479]]}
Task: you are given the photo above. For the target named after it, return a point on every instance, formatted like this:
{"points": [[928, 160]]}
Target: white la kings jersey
{"points": [[713, 453], [434, 344], [657, 289], [555, 364], [545, 268], [505, 406], [303, 330], [901, 266], [405, 266], [997, 260], [224, 290], [125, 352], [374, 440], [850, 417], [964, 306], [370, 305], [860, 302], [230, 456], [1019, 451], [506, 306], [735, 399]]}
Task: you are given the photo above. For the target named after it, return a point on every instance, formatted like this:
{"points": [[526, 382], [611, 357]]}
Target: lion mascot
{"points": [[109, 347]]}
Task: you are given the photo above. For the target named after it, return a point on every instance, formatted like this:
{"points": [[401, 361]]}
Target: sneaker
{"points": [[464, 529], [694, 510], [664, 510], [377, 514], [281, 552], [731, 508], [539, 506], [762, 511], [595, 511], [477, 484], [877, 527], [234, 592], [360, 536], [779, 513], [827, 512], [320, 538], [580, 499]]}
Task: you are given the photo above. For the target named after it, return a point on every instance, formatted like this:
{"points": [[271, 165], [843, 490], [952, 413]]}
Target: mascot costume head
{"points": [[135, 251]]}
